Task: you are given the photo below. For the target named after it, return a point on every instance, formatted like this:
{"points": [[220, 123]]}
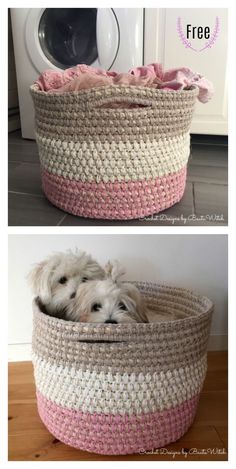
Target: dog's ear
{"points": [[139, 301], [94, 270], [39, 280], [114, 270]]}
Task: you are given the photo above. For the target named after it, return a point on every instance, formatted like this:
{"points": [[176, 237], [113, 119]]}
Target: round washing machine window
{"points": [[59, 38], [67, 36]]}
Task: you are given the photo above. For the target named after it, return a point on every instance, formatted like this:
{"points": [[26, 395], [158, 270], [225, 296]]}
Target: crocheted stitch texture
{"points": [[91, 154], [119, 389]]}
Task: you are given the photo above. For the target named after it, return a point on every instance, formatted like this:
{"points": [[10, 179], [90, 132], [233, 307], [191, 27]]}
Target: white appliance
{"points": [[58, 38]]}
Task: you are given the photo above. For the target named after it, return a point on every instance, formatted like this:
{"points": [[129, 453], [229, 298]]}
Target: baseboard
{"points": [[19, 352], [22, 352], [218, 342], [13, 123]]}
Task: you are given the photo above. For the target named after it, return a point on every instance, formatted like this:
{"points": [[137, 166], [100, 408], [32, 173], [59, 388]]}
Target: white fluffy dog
{"points": [[55, 280], [108, 301]]}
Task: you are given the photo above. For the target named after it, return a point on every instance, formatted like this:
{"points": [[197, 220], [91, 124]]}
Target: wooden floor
{"points": [[204, 201], [29, 440]]}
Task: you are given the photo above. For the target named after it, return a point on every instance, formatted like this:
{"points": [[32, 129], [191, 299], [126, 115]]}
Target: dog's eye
{"points": [[84, 279], [121, 305], [63, 280], [96, 307]]}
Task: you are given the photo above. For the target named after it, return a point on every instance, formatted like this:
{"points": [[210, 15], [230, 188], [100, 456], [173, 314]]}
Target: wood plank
{"points": [[222, 431]]}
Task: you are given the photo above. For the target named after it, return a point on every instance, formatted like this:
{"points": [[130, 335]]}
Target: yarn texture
{"points": [[114, 163], [124, 388]]}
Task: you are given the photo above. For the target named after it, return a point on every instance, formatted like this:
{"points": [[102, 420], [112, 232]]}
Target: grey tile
{"points": [[16, 137], [23, 154], [27, 210], [22, 145], [25, 178], [208, 155], [12, 165], [22, 150], [207, 174], [211, 200]]}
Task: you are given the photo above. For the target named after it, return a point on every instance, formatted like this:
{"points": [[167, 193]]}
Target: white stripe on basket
{"points": [[118, 393], [116, 161]]}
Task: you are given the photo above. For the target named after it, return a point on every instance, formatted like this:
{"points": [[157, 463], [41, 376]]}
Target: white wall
{"points": [[162, 44], [198, 262]]}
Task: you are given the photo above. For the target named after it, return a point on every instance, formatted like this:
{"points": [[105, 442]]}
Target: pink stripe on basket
{"points": [[116, 434], [119, 200]]}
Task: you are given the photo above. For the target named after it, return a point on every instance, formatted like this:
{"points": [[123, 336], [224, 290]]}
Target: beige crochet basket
{"points": [[114, 163], [123, 388]]}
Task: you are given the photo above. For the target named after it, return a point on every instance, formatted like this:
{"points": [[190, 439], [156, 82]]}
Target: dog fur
{"points": [[108, 301], [55, 280]]}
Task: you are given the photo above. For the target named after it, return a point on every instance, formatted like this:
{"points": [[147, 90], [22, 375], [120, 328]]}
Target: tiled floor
{"points": [[204, 201]]}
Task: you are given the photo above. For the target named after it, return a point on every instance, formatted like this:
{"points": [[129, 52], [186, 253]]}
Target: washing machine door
{"points": [[59, 38]]}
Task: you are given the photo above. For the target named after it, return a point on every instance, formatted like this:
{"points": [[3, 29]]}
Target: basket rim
{"points": [[34, 89], [130, 329]]}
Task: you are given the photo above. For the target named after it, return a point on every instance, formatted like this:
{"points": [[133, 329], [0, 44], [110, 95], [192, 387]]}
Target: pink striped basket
{"points": [[114, 163], [123, 388]]}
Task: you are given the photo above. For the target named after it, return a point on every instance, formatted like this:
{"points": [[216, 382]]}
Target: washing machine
{"points": [[59, 38]]}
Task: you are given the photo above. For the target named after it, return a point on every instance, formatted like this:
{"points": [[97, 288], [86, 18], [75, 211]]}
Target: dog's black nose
{"points": [[111, 321]]}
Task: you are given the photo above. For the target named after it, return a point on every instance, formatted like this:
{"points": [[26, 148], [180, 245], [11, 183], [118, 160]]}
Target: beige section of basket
{"points": [[123, 388], [114, 163], [156, 345]]}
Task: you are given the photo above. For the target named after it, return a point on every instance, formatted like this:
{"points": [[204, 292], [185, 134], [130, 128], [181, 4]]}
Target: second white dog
{"points": [[108, 301]]}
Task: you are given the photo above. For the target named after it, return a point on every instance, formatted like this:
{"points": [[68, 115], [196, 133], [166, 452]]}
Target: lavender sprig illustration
{"points": [[214, 35], [182, 36]]}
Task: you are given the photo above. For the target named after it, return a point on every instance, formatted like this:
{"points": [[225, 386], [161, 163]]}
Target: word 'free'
{"points": [[198, 32]]}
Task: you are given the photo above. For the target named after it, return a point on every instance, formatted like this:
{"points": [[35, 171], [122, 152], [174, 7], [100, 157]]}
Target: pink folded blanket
{"points": [[83, 77]]}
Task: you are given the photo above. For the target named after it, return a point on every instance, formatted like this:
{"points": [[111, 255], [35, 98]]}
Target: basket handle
{"points": [[103, 97]]}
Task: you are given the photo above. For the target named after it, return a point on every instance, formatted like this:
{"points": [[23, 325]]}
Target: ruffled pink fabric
{"points": [[83, 77]]}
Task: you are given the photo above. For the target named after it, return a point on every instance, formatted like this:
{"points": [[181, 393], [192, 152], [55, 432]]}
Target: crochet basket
{"points": [[125, 388], [114, 163]]}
